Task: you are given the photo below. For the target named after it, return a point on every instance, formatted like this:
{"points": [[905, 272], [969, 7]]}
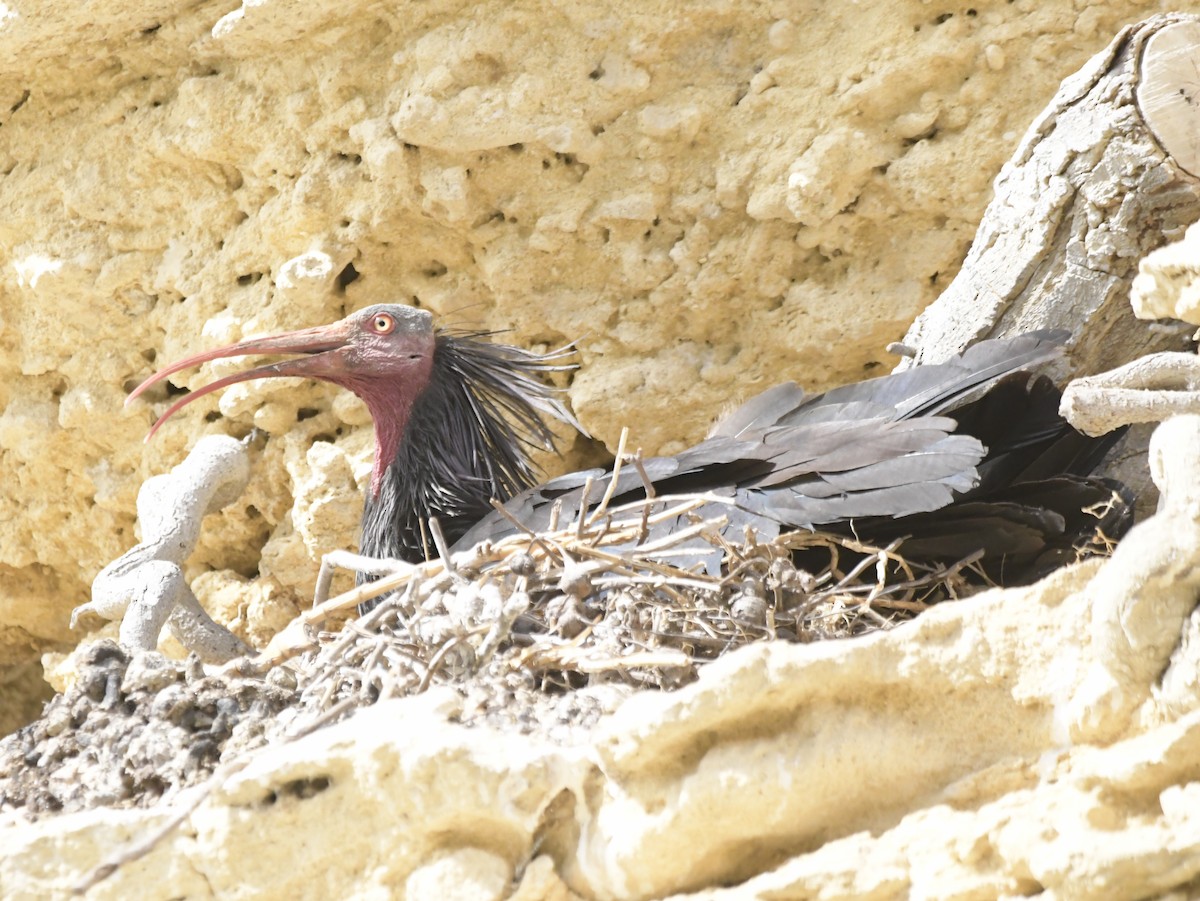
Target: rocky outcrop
{"points": [[711, 198], [935, 760]]}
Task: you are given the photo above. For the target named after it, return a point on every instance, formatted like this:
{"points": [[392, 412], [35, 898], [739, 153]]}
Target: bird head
{"points": [[383, 353]]}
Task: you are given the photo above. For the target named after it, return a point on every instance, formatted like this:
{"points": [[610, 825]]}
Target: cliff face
{"points": [[709, 197]]}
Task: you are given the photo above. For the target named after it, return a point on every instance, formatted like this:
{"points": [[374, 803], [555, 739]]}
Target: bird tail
{"points": [[1025, 531], [1027, 440]]}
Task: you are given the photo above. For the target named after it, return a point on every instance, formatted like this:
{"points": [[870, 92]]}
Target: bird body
{"points": [[969, 452], [955, 457]]}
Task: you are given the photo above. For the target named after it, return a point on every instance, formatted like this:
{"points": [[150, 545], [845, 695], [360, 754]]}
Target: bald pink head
{"points": [[383, 353]]}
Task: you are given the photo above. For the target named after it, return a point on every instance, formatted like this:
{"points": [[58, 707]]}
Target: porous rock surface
{"points": [[1168, 281], [710, 197], [931, 761], [131, 730]]}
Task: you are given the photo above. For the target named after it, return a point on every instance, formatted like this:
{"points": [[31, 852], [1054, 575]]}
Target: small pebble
{"points": [[575, 581], [749, 608], [169, 703], [149, 672], [282, 677], [522, 565], [58, 719], [194, 668]]}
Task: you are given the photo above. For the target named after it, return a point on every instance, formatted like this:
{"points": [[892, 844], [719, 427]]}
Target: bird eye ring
{"points": [[383, 323]]}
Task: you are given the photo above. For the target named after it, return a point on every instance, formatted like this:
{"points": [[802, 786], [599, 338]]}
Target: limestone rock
{"points": [[710, 198], [661, 182], [1168, 282], [922, 762]]}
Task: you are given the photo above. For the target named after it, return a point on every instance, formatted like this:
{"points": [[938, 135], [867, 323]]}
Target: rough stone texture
{"points": [[711, 197], [1103, 177], [144, 588], [708, 196], [1092, 188], [1168, 281], [929, 761], [132, 729]]}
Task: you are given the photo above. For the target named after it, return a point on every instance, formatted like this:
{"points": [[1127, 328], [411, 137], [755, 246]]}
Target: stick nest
{"points": [[574, 618], [540, 632]]}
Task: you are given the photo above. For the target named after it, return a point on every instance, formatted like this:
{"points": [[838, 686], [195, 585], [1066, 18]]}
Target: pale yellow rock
{"points": [[1066, 833], [917, 763], [471, 813], [663, 182], [470, 874], [1167, 285], [194, 177], [254, 610]]}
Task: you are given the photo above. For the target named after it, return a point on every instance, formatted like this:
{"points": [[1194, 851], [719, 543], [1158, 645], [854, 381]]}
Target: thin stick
{"points": [[503, 511], [651, 494], [138, 849], [583, 502], [613, 477], [443, 549], [436, 662], [682, 535]]}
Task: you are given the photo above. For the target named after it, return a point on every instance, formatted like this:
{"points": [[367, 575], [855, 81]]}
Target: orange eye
{"points": [[383, 323]]}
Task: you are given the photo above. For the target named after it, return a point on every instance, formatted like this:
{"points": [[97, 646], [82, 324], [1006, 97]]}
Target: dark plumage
{"points": [[465, 444], [966, 455], [454, 415], [957, 456]]}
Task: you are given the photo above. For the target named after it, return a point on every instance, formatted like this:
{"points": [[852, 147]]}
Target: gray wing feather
{"points": [[873, 449]]}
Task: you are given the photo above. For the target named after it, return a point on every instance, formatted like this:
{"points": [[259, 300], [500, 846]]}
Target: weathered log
{"points": [[1104, 176]]}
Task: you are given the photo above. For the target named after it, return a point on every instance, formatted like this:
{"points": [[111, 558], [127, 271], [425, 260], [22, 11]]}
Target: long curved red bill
{"points": [[318, 340]]}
